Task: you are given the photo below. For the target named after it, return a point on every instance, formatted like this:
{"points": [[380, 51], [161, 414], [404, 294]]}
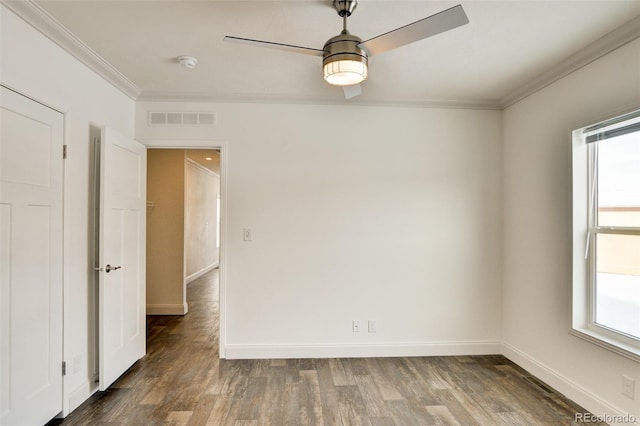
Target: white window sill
{"points": [[613, 345]]}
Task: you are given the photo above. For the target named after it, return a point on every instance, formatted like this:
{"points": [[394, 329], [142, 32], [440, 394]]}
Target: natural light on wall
{"points": [[606, 171]]}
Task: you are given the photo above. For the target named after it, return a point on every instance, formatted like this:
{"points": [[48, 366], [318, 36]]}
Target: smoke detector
{"points": [[188, 62]]}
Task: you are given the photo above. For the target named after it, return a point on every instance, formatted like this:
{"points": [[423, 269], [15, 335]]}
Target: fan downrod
{"points": [[345, 7]]}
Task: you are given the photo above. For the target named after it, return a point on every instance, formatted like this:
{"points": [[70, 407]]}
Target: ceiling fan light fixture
{"points": [[344, 62], [345, 72]]}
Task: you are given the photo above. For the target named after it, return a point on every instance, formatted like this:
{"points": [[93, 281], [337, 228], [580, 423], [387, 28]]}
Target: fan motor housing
{"points": [[344, 47]]}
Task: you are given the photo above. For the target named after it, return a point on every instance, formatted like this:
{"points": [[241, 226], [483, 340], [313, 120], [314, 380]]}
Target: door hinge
{"points": [[64, 152], [64, 368]]}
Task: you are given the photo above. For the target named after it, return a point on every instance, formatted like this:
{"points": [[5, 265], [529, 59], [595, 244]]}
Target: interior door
{"points": [[122, 230], [31, 141]]}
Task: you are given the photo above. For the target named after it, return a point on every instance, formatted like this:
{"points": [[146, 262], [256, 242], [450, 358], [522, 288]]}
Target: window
{"points": [[606, 227]]}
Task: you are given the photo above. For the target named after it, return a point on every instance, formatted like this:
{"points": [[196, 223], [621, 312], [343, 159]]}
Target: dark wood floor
{"points": [[182, 381]]}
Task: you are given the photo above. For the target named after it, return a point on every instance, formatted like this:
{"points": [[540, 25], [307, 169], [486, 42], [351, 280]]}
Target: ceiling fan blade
{"points": [[427, 27], [352, 91], [272, 45]]}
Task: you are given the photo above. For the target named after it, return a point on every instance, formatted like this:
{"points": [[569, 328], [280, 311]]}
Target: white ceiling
{"points": [[506, 45]]}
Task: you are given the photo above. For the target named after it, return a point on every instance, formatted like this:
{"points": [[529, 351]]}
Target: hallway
{"points": [[181, 381]]}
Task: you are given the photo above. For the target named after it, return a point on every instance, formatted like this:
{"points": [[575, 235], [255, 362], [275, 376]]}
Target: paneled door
{"points": [[122, 254], [31, 173]]}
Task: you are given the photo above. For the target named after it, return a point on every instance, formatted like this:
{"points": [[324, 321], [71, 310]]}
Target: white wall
{"points": [[391, 214], [201, 194], [42, 70], [537, 231]]}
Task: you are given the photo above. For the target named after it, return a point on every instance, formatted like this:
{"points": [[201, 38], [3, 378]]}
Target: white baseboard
{"points": [[79, 395], [361, 350], [175, 309], [201, 272], [567, 387]]}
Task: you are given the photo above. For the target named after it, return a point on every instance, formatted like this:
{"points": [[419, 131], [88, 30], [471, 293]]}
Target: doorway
{"points": [[184, 231]]}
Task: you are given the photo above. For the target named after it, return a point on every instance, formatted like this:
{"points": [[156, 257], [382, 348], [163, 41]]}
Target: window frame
{"points": [[585, 232]]}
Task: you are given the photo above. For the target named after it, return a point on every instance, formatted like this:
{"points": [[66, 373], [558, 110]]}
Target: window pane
{"points": [[618, 283], [619, 181]]}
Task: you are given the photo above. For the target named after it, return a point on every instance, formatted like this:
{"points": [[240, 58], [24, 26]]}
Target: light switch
{"points": [[247, 234]]}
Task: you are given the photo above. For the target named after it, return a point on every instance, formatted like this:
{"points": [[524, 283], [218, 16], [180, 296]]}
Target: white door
{"points": [[31, 140], [123, 173]]}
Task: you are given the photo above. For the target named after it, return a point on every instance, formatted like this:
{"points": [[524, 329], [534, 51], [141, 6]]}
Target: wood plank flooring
{"points": [[181, 381]]}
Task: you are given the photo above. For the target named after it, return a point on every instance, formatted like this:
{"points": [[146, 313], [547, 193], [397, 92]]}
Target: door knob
{"points": [[110, 268]]}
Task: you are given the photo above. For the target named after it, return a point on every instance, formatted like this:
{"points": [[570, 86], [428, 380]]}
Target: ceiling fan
{"points": [[345, 56]]}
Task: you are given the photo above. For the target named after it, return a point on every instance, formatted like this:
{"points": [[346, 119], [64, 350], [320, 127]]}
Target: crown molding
{"points": [[604, 45], [42, 21], [148, 96]]}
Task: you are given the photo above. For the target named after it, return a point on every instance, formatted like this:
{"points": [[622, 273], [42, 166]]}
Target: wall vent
{"points": [[182, 118]]}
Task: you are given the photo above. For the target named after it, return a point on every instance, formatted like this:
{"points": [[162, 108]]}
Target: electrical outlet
{"points": [[628, 387], [356, 326], [373, 326]]}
